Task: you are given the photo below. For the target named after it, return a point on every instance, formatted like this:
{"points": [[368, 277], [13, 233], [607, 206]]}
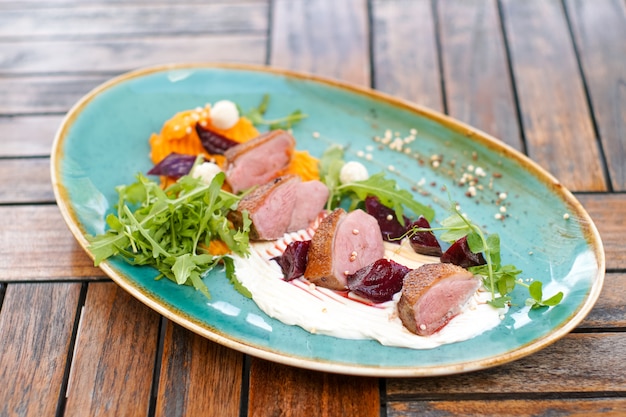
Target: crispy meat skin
{"points": [[343, 244]]}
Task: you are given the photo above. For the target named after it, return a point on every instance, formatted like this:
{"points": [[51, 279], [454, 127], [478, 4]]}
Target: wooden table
{"points": [[547, 77]]}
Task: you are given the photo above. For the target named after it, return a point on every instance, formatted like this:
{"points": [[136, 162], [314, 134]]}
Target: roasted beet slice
{"points": [[460, 254], [293, 261], [386, 218], [214, 143], [378, 281], [424, 242], [174, 165]]}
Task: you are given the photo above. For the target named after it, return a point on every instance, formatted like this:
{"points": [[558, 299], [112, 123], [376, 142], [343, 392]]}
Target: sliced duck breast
{"points": [[433, 294], [343, 244], [259, 160], [270, 208], [311, 197]]}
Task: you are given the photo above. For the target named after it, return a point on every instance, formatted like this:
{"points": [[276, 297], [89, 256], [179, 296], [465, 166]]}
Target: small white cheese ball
{"points": [[353, 171], [224, 114], [206, 171]]}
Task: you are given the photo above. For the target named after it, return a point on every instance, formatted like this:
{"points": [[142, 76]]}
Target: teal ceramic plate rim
{"points": [[167, 302]]}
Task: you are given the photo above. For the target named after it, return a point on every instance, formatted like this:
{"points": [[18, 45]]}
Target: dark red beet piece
{"points": [[294, 259], [424, 242], [387, 220], [378, 281], [174, 165], [460, 254], [214, 143]]}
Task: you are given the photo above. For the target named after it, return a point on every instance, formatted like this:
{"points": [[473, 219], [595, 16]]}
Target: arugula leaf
{"points": [[256, 116], [330, 166], [229, 268], [389, 195], [171, 229]]}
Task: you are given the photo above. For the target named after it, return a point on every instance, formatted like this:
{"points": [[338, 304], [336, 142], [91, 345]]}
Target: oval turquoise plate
{"points": [[103, 142]]}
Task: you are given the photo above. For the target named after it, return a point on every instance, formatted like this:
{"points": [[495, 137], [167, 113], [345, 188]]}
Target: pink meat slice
{"points": [[434, 294], [311, 197], [270, 207], [343, 244], [259, 160]]}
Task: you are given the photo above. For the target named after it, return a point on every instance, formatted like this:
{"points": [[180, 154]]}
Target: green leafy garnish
{"points": [[385, 189], [171, 229], [256, 116], [498, 278], [536, 297]]}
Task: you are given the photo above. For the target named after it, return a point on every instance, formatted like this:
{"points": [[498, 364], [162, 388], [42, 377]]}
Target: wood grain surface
{"points": [[599, 31], [544, 76], [404, 52], [555, 116], [198, 377], [116, 347], [477, 79], [36, 324]]}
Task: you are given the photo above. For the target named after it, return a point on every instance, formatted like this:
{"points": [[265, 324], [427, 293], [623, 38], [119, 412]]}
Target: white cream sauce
{"points": [[323, 311]]}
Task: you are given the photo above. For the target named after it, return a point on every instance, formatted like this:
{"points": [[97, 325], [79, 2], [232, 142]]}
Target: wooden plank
{"points": [[609, 311], [102, 20], [123, 54], [608, 212], [115, 353], [339, 51], [24, 95], [607, 407], [555, 116], [599, 29], [36, 324], [281, 390], [25, 181], [478, 87], [583, 363], [35, 244], [405, 53], [27, 135], [198, 377], [27, 4]]}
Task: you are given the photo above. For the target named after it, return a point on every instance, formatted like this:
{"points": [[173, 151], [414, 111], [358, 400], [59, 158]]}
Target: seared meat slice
{"points": [[311, 197], [270, 207], [283, 205], [433, 294], [343, 244], [259, 160]]}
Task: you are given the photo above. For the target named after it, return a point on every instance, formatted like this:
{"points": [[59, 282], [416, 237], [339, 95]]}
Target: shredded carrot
{"points": [[303, 165], [218, 247], [178, 134]]}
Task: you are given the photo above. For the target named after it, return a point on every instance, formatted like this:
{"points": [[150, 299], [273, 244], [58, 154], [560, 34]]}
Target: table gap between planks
{"points": [[546, 77]]}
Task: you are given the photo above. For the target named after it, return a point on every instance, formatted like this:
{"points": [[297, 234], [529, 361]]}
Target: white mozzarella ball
{"points": [[353, 171], [224, 114], [206, 171]]}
